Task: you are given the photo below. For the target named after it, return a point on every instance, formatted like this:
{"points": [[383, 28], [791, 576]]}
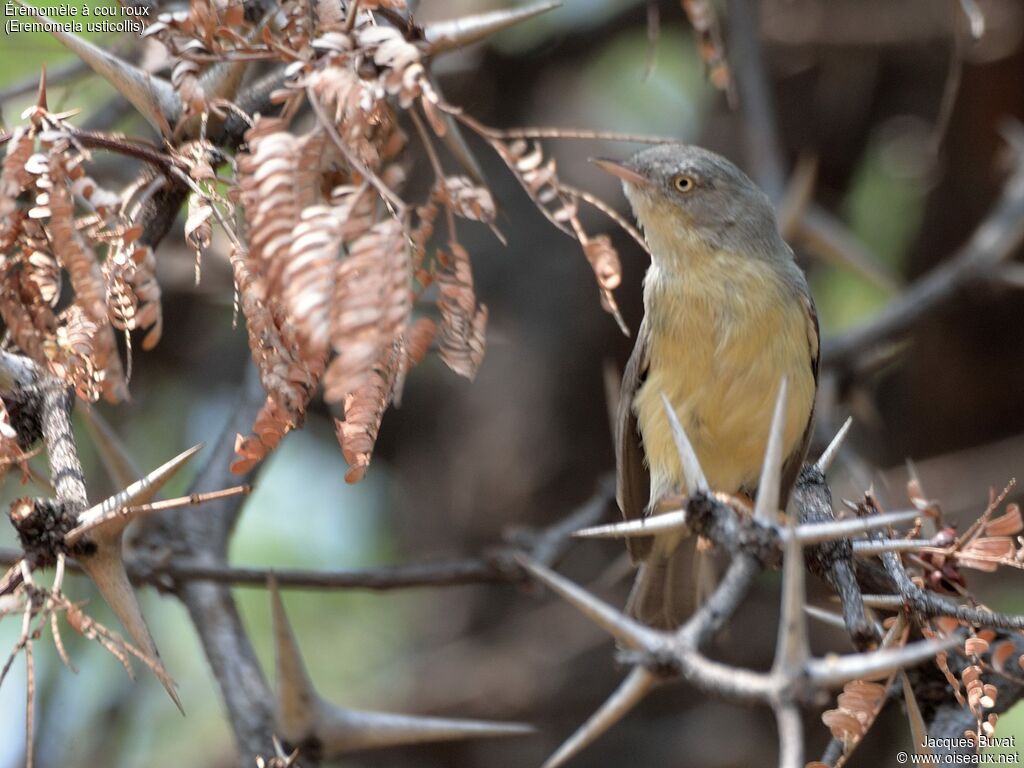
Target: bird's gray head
{"points": [[682, 193]]}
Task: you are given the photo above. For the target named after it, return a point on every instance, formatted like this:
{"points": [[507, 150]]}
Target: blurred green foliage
{"points": [[670, 100], [24, 54], [883, 208]]}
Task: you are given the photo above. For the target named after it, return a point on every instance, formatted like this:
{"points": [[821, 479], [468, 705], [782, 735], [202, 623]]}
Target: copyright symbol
{"points": [[901, 757]]}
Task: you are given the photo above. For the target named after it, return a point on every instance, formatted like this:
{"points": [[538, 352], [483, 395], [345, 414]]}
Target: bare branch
{"points": [[994, 241], [791, 736]]}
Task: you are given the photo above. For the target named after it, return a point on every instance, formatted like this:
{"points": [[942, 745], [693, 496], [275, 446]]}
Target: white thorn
{"points": [[918, 727], [448, 35], [826, 617], [929, 525], [975, 16], [830, 453], [791, 735], [112, 513], [106, 568], [630, 633], [153, 97], [692, 472], [791, 648], [815, 533], [884, 602], [301, 713], [767, 505], [347, 730], [644, 526], [835, 670], [872, 547], [630, 692], [297, 700]]}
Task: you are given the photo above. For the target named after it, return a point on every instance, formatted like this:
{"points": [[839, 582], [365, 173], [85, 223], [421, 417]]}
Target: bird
{"points": [[728, 317]]}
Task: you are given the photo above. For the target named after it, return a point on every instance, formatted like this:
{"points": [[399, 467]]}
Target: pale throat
{"points": [[675, 247]]}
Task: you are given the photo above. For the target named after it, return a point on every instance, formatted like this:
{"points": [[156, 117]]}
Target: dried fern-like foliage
{"points": [[343, 281], [856, 709], [463, 322], [935, 565], [371, 307], [73, 231], [272, 423], [704, 20], [364, 409], [560, 205]]}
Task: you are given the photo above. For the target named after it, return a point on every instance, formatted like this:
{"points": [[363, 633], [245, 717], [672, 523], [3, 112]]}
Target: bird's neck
{"points": [[715, 286], [676, 250]]}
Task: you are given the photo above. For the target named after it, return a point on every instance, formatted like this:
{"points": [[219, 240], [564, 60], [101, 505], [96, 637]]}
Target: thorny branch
{"points": [[754, 538], [203, 535], [152, 567], [186, 552]]}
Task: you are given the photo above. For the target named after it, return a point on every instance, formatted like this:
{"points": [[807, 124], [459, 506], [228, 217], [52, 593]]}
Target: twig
{"points": [[995, 240], [136, 148], [760, 128], [608, 211], [30, 84], [396, 204], [151, 570], [435, 163], [929, 604], [826, 237], [954, 75], [202, 535], [832, 560], [52, 400], [496, 567], [505, 134]]}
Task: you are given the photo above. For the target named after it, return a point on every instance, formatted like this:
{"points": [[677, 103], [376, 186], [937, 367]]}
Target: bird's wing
{"points": [[795, 461], [633, 480]]}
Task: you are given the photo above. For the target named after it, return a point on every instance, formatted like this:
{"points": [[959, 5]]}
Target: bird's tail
{"points": [[670, 584]]}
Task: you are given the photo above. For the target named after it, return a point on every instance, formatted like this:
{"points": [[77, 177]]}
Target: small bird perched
{"points": [[727, 316]]}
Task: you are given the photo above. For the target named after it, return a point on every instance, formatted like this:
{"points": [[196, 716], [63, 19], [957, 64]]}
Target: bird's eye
{"points": [[683, 183]]}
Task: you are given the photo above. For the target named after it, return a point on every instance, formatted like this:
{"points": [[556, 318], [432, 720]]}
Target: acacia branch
{"points": [[759, 125], [494, 567], [756, 542], [202, 535]]}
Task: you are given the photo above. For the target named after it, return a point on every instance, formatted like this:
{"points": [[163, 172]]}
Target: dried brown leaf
{"points": [[1001, 653], [857, 707], [364, 409], [1008, 524], [463, 322], [371, 307], [271, 424]]}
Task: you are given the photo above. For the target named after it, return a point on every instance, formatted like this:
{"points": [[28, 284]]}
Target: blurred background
{"points": [[865, 87]]}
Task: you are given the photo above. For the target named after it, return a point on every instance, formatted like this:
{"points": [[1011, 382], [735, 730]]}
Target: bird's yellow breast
{"points": [[722, 331]]}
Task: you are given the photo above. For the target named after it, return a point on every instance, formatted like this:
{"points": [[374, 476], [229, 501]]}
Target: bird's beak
{"points": [[618, 169]]}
